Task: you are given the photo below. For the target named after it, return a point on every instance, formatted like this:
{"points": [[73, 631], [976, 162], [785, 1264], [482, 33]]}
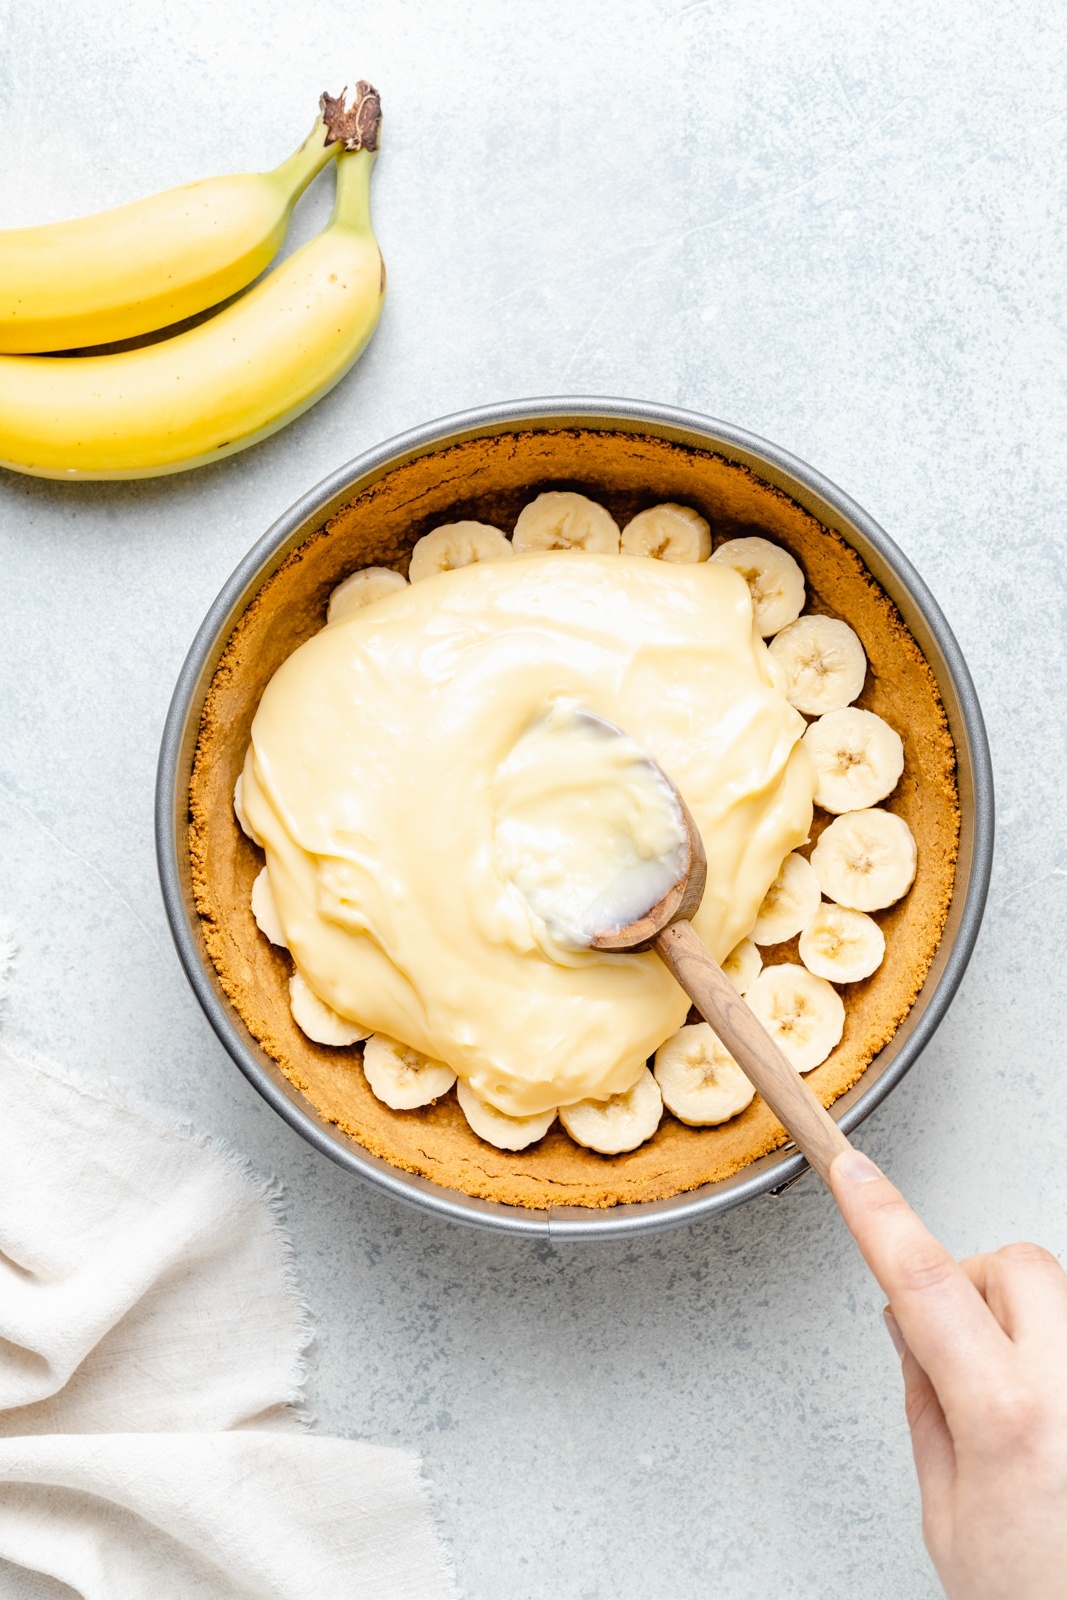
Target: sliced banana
{"points": [[858, 759], [804, 1015], [619, 1123], [240, 812], [559, 520], [842, 945], [699, 1079], [789, 903], [318, 1020], [402, 1078], [773, 577], [668, 533], [457, 544], [506, 1133], [824, 664], [361, 589], [266, 912], [865, 859], [742, 966]]}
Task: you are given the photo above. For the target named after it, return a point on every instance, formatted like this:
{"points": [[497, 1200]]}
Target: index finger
{"points": [[945, 1322]]}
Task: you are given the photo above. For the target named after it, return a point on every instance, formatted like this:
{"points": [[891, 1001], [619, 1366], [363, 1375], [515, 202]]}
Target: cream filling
{"points": [[378, 778]]}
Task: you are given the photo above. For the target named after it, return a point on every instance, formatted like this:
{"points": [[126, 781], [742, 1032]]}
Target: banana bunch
{"points": [[222, 384]]}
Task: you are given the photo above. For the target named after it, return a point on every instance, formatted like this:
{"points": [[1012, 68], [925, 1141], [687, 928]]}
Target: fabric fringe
{"points": [[7, 960], [271, 1192], [427, 1493]]}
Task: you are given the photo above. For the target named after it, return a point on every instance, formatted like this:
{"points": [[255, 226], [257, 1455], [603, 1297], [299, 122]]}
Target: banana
{"points": [[318, 1020], [125, 272], [621, 1122], [699, 1079], [742, 966], [506, 1133], [266, 912], [563, 521], [667, 533], [858, 759], [842, 945], [361, 589], [773, 577], [804, 1015], [457, 544], [240, 812], [221, 385], [824, 664], [401, 1078], [789, 903], [865, 859]]}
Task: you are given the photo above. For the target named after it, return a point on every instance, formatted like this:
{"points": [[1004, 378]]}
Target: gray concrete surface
{"points": [[839, 224]]}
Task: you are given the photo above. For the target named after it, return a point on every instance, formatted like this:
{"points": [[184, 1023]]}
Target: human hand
{"points": [[983, 1345]]}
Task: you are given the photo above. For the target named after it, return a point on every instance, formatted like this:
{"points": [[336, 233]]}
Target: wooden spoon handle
{"points": [[793, 1103]]}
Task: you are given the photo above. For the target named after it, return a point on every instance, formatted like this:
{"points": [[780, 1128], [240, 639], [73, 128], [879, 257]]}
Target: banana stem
{"points": [[351, 207], [296, 171]]}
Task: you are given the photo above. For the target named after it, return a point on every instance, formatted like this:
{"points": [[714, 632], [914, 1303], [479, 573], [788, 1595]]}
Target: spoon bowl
{"points": [[681, 901], [684, 895]]}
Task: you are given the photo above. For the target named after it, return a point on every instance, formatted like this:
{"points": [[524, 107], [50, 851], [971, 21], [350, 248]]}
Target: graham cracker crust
{"points": [[490, 480]]}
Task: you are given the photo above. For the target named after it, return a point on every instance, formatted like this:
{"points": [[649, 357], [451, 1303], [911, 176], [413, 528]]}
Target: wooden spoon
{"points": [[666, 928]]}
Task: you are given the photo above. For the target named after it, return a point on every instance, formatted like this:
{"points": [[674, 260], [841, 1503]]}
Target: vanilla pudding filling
{"points": [[587, 828], [410, 770]]}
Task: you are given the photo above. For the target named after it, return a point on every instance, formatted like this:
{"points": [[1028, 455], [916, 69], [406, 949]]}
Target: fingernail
{"points": [[892, 1327], [855, 1167]]}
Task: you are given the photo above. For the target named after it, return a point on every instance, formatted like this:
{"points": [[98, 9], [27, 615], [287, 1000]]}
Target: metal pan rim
{"points": [[771, 1174]]}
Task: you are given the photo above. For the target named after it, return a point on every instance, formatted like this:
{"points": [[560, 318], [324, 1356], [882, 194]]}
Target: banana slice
{"points": [[743, 965], [789, 903], [266, 912], [774, 578], [668, 533], [699, 1079], [457, 544], [318, 1020], [865, 859], [562, 521], [804, 1015], [858, 759], [842, 945], [506, 1133], [361, 589], [619, 1123], [402, 1078], [824, 664], [241, 814]]}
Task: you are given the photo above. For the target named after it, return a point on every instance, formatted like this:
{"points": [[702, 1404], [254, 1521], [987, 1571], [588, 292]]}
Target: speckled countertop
{"points": [[839, 225]]}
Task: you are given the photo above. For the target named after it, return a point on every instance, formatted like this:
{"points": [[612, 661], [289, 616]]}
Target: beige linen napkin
{"points": [[151, 1379]]}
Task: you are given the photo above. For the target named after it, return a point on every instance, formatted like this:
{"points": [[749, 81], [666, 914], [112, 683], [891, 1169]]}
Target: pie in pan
{"points": [[490, 480]]}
